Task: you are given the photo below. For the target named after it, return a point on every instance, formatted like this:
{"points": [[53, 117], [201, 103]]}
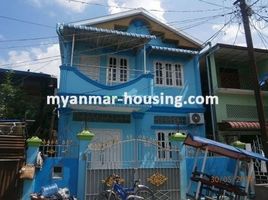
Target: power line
{"points": [[153, 10], [25, 21], [27, 39], [28, 61], [263, 40], [214, 4], [254, 3], [238, 28], [218, 32]]}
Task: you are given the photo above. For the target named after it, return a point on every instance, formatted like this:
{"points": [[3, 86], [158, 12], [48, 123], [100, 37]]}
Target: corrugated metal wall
{"points": [[12, 150]]}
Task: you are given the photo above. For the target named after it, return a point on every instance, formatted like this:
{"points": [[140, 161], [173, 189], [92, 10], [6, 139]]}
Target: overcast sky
{"points": [[24, 22]]}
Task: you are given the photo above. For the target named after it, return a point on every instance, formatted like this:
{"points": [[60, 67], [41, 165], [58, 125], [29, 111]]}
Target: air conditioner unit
{"points": [[196, 118]]}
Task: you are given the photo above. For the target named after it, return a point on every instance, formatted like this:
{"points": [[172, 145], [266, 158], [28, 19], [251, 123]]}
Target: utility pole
{"points": [[246, 12]]}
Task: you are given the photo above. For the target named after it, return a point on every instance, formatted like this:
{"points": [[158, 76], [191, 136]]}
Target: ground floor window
{"points": [[164, 149]]}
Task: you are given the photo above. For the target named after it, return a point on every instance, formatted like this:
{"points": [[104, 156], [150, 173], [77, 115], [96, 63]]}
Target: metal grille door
{"points": [[140, 160]]}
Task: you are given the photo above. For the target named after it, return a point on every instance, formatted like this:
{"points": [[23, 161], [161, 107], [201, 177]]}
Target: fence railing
{"points": [[51, 148], [12, 128]]}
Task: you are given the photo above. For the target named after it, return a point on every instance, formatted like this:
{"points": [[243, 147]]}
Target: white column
{"points": [[72, 53]]}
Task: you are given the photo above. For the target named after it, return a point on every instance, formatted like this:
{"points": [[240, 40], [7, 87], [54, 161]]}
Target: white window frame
{"points": [[163, 154], [173, 74], [117, 79]]}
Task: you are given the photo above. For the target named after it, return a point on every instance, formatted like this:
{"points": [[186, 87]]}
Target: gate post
{"points": [[84, 138], [33, 144], [178, 139]]}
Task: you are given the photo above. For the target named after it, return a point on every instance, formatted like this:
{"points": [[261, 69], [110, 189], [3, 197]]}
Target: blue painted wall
{"points": [[69, 180]]}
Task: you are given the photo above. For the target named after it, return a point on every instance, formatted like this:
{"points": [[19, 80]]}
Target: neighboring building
{"points": [[35, 88], [129, 52], [231, 80], [227, 74]]}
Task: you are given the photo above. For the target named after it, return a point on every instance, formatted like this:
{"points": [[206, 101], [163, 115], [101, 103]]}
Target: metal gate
{"points": [[154, 164]]}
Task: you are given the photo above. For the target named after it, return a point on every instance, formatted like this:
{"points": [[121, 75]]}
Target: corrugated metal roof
{"points": [[102, 30], [174, 50]]}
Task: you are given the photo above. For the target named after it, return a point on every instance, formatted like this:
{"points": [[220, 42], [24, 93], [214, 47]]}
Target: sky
{"points": [[28, 39]]}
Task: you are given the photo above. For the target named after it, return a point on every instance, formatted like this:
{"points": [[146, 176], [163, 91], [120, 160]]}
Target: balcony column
{"points": [[177, 140], [33, 144], [72, 52], [144, 59], [84, 138]]}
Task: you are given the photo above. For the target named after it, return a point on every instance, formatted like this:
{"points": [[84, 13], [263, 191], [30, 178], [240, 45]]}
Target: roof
{"points": [[135, 12], [101, 37], [63, 27], [27, 73], [222, 149], [173, 50], [238, 54]]}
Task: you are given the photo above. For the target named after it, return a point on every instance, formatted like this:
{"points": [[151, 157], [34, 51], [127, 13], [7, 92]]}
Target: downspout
{"points": [[72, 53]]}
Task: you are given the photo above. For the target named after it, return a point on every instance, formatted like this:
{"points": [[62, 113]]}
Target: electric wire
{"points": [[131, 8]]}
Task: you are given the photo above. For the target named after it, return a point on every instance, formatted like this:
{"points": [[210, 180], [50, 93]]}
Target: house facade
{"points": [[128, 55]]}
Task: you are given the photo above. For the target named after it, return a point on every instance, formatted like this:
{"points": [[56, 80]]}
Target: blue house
{"points": [[128, 56]]}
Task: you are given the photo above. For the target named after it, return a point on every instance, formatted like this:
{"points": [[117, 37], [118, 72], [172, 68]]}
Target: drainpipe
{"points": [[72, 53]]}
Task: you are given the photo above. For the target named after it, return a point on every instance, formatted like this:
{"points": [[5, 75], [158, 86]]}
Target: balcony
{"points": [[75, 81]]}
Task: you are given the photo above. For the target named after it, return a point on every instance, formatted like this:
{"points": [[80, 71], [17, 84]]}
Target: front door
{"points": [[106, 149]]}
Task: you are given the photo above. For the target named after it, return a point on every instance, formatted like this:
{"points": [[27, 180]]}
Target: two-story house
{"points": [[130, 52], [226, 73]]}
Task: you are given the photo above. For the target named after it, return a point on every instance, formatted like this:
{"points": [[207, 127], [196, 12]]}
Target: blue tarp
{"points": [[264, 80], [221, 148]]}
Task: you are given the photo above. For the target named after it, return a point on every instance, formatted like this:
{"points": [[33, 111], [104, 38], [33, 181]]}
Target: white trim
{"points": [[164, 74], [102, 159], [166, 141], [72, 51], [117, 57], [137, 11]]}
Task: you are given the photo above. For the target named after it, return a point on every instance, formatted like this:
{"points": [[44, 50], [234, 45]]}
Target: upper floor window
{"points": [[117, 70], [168, 74]]}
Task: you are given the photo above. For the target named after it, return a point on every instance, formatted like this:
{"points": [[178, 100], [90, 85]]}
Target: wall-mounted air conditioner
{"points": [[196, 118]]}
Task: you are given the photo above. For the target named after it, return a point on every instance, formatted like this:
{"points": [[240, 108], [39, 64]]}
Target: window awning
{"points": [[99, 37], [172, 50], [240, 125], [222, 149]]}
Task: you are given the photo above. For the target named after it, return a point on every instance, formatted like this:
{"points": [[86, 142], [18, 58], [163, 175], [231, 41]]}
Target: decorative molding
{"points": [[157, 179]]}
